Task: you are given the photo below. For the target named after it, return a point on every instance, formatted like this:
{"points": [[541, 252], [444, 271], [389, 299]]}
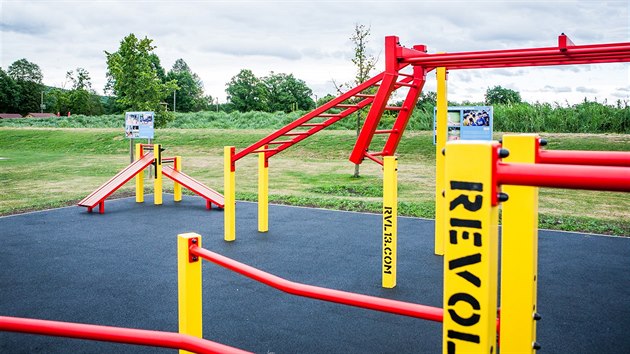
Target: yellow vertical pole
{"points": [[229, 191], [471, 249], [189, 287], [519, 253], [390, 220], [263, 192], [177, 188], [157, 181], [139, 177], [441, 127]]}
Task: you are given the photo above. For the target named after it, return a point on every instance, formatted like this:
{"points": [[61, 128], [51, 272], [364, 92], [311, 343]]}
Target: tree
{"points": [[189, 96], [501, 95], [286, 93], [24, 70], [9, 93], [28, 76], [364, 63], [246, 92], [133, 76]]}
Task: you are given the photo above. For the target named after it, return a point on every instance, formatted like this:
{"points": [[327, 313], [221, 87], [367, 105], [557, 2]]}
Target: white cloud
{"points": [[311, 39]]}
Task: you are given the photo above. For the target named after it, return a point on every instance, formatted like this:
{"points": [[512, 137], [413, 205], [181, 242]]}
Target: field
{"points": [[44, 168]]}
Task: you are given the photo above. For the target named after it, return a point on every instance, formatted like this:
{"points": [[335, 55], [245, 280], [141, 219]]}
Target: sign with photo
{"points": [[467, 123], [139, 125]]}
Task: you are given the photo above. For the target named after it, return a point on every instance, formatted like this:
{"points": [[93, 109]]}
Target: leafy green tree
{"points": [[286, 93], [9, 94], [501, 95], [82, 98], [135, 80], [28, 76], [24, 70], [189, 96], [246, 92]]}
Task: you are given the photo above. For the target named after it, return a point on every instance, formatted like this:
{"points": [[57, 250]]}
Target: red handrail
{"points": [[114, 334], [570, 157], [602, 178], [341, 297]]}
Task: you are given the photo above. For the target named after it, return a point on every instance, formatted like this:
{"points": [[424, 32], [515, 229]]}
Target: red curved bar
{"points": [[602, 178], [114, 334], [570, 157], [341, 297]]}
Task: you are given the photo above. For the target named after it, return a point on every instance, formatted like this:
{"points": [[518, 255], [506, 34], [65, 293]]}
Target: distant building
{"points": [[40, 115], [10, 115]]}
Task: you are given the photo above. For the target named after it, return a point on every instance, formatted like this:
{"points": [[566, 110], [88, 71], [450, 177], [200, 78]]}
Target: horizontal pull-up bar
{"points": [[114, 334], [575, 54], [602, 178], [337, 296], [570, 157]]}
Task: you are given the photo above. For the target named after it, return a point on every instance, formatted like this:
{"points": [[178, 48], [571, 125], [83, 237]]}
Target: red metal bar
{"points": [[114, 334], [435, 60], [419, 78], [374, 158], [569, 157], [603, 178], [341, 297]]}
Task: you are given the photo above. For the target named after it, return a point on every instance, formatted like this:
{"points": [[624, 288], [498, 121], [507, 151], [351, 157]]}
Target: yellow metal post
{"points": [[139, 177], [441, 127], [390, 220], [189, 287], [177, 188], [471, 250], [519, 253], [263, 192], [157, 181], [229, 186]]}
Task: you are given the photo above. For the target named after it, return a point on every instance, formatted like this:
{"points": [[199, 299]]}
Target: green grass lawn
{"points": [[44, 168]]}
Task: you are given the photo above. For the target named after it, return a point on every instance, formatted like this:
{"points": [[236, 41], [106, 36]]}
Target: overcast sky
{"points": [[310, 39]]}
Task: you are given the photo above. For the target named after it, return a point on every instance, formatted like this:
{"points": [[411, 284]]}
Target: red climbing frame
{"points": [[377, 91]]}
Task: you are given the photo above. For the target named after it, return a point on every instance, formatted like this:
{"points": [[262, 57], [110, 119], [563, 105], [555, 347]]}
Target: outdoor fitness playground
{"points": [[133, 274]]}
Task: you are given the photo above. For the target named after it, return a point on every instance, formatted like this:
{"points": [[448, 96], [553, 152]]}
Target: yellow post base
{"points": [[139, 177], [229, 186], [471, 250], [390, 221], [189, 287], [519, 253], [177, 188], [263, 192], [157, 181]]}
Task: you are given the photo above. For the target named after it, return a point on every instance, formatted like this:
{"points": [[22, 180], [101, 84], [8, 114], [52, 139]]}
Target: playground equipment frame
{"points": [[397, 58]]}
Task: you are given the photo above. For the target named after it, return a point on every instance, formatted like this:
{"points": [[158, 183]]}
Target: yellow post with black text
{"points": [[519, 253], [390, 220], [189, 288], [471, 249]]}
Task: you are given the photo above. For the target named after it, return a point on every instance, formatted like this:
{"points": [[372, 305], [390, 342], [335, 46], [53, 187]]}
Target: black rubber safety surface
{"points": [[119, 269]]}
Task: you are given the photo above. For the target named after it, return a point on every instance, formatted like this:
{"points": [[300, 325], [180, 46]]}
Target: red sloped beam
{"points": [[570, 157], [341, 297], [114, 334], [602, 178]]}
